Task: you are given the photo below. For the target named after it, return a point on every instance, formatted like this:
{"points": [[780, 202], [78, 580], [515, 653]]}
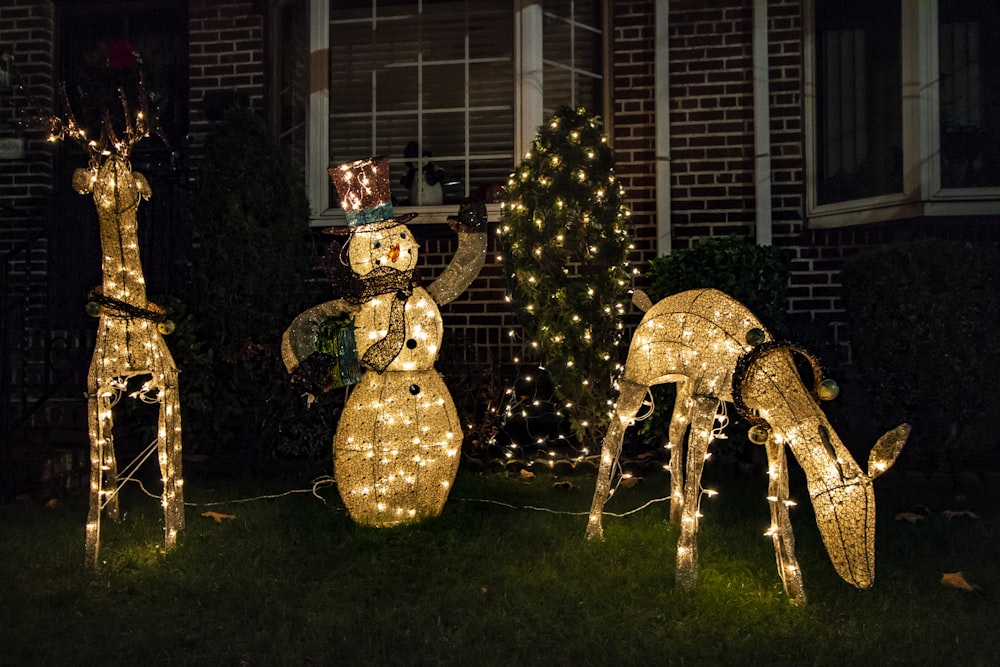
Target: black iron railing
{"points": [[22, 290]]}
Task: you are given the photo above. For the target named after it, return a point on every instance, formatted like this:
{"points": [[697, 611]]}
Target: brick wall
{"points": [[785, 88], [26, 30], [226, 55], [711, 119], [478, 322], [634, 119]]}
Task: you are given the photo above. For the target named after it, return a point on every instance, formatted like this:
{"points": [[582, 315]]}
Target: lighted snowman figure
{"points": [[396, 449]]}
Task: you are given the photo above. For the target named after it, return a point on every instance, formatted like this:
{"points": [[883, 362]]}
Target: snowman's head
{"points": [[393, 247]]}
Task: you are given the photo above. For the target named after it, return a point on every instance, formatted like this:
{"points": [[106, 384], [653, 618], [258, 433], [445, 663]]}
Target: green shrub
{"points": [[248, 263], [757, 276], [250, 246], [924, 316], [566, 233]]}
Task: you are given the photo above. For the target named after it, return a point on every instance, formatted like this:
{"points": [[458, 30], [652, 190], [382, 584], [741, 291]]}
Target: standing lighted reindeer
{"points": [[130, 330], [714, 350]]}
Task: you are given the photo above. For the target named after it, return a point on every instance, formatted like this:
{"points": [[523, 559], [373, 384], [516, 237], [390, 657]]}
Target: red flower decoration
{"points": [[120, 55]]}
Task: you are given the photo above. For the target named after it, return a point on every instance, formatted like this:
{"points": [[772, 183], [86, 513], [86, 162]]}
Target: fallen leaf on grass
{"points": [[217, 516], [912, 517], [526, 474], [949, 514], [628, 481], [958, 580]]}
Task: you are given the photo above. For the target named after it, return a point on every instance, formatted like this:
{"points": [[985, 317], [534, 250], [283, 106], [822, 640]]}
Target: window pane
{"points": [[589, 88], [488, 130], [969, 59], [424, 73], [859, 99], [396, 88], [448, 129], [486, 78], [572, 64], [352, 61], [558, 89], [444, 86]]}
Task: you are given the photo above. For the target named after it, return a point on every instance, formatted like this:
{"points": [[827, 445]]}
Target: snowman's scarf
{"points": [[385, 280]]}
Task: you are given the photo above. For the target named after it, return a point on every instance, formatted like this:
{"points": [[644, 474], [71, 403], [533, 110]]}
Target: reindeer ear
{"points": [[886, 450], [83, 181], [142, 185]]}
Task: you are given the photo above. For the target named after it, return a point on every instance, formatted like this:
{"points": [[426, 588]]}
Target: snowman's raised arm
{"points": [[468, 259], [299, 340]]}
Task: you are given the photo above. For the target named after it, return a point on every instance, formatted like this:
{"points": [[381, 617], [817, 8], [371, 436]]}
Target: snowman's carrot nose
{"points": [[394, 252]]}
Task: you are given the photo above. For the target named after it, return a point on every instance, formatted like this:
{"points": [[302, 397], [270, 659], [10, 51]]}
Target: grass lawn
{"points": [[292, 581]]}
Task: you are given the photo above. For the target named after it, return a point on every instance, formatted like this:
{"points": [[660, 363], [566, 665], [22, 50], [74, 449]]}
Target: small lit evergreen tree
{"points": [[566, 236]]}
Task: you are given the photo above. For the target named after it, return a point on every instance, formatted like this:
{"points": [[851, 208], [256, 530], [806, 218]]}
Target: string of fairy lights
{"points": [[327, 480]]}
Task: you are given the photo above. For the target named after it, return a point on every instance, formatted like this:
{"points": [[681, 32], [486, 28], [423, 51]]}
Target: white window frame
{"points": [[922, 193], [528, 112]]}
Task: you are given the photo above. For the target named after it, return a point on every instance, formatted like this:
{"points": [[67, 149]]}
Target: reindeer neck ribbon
{"points": [[748, 359], [385, 280], [117, 308]]}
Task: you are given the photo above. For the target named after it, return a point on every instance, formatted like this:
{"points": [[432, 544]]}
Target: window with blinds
{"points": [[440, 87], [969, 58], [859, 72], [429, 84]]}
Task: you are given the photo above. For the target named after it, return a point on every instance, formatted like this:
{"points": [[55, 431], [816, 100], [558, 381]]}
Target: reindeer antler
{"points": [[60, 128], [137, 126]]}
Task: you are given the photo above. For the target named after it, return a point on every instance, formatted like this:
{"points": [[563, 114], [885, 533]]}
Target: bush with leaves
{"points": [[250, 256], [566, 233], [923, 320]]}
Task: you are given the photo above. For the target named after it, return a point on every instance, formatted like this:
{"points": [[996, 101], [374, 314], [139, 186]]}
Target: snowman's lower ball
{"points": [[396, 450]]}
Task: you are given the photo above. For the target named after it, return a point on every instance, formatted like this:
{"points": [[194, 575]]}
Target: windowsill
{"points": [[426, 215], [965, 202]]}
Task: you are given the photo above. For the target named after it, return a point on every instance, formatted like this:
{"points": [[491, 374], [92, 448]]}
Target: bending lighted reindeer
{"points": [[129, 333], [715, 350]]}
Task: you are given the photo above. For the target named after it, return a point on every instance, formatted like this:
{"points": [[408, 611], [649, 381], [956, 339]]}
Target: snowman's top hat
{"points": [[365, 196]]}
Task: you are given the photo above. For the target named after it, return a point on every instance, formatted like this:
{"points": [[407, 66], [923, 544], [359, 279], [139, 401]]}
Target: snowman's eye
{"points": [[378, 244], [402, 235]]}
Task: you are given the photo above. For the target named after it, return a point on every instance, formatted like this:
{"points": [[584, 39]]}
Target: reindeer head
{"points": [[116, 188], [842, 494]]}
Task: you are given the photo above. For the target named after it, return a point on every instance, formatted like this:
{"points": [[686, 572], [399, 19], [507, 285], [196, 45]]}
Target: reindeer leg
{"points": [[110, 468], [702, 422], [103, 469], [169, 451], [626, 408], [781, 525], [678, 428]]}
